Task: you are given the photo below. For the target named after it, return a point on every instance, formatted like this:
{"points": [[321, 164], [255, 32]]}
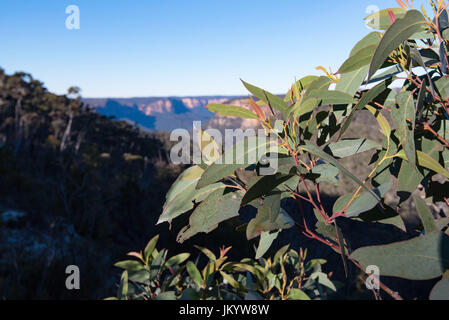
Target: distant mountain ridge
{"points": [[160, 113]]}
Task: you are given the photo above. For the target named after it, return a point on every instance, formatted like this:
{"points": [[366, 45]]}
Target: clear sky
{"points": [[129, 48]]}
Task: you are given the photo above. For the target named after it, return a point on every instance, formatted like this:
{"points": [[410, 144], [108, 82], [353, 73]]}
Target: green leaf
{"points": [[130, 265], [305, 82], [230, 279], [266, 240], [231, 111], [445, 34], [323, 280], [123, 288], [286, 164], [331, 97], [281, 252], [421, 258], [327, 230], [240, 267], [383, 122], [189, 176], [177, 260], [408, 179], [342, 245], [264, 186], [443, 21], [425, 215], [363, 203], [168, 295], [352, 78], [270, 99], [406, 111], [364, 100], [327, 173], [350, 82], [270, 217], [246, 152], [383, 171], [209, 148], [387, 74], [401, 30], [180, 197], [184, 201], [381, 19], [219, 206], [194, 273], [421, 96], [208, 270], [360, 59], [426, 161], [190, 294], [158, 263], [150, 247], [424, 57], [322, 83], [442, 223], [321, 154], [207, 253], [349, 147], [141, 276], [297, 294], [432, 148], [442, 86], [386, 216], [370, 39], [303, 107], [440, 291]]}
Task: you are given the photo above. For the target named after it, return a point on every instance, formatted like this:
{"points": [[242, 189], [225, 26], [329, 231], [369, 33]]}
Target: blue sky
{"points": [[178, 48]]}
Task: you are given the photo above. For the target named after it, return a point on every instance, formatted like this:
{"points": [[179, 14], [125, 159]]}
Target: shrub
{"points": [[309, 125], [287, 276]]}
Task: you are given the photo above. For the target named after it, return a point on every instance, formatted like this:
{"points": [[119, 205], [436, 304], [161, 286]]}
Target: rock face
{"points": [[162, 114]]}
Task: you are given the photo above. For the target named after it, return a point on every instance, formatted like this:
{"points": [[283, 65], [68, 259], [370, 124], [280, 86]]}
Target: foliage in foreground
{"points": [[309, 123], [287, 276]]}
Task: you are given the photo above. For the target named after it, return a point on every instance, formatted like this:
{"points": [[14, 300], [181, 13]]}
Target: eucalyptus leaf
{"points": [[381, 19], [421, 258], [265, 185], [440, 291], [319, 153], [270, 217], [231, 111], [362, 203], [194, 273], [219, 206], [266, 240], [425, 215], [246, 152], [269, 98], [349, 147], [330, 97], [150, 247], [426, 161], [297, 294], [401, 30], [401, 116]]}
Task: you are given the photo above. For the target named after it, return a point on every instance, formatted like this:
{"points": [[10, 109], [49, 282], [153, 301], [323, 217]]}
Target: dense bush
{"points": [[400, 76], [287, 276]]}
